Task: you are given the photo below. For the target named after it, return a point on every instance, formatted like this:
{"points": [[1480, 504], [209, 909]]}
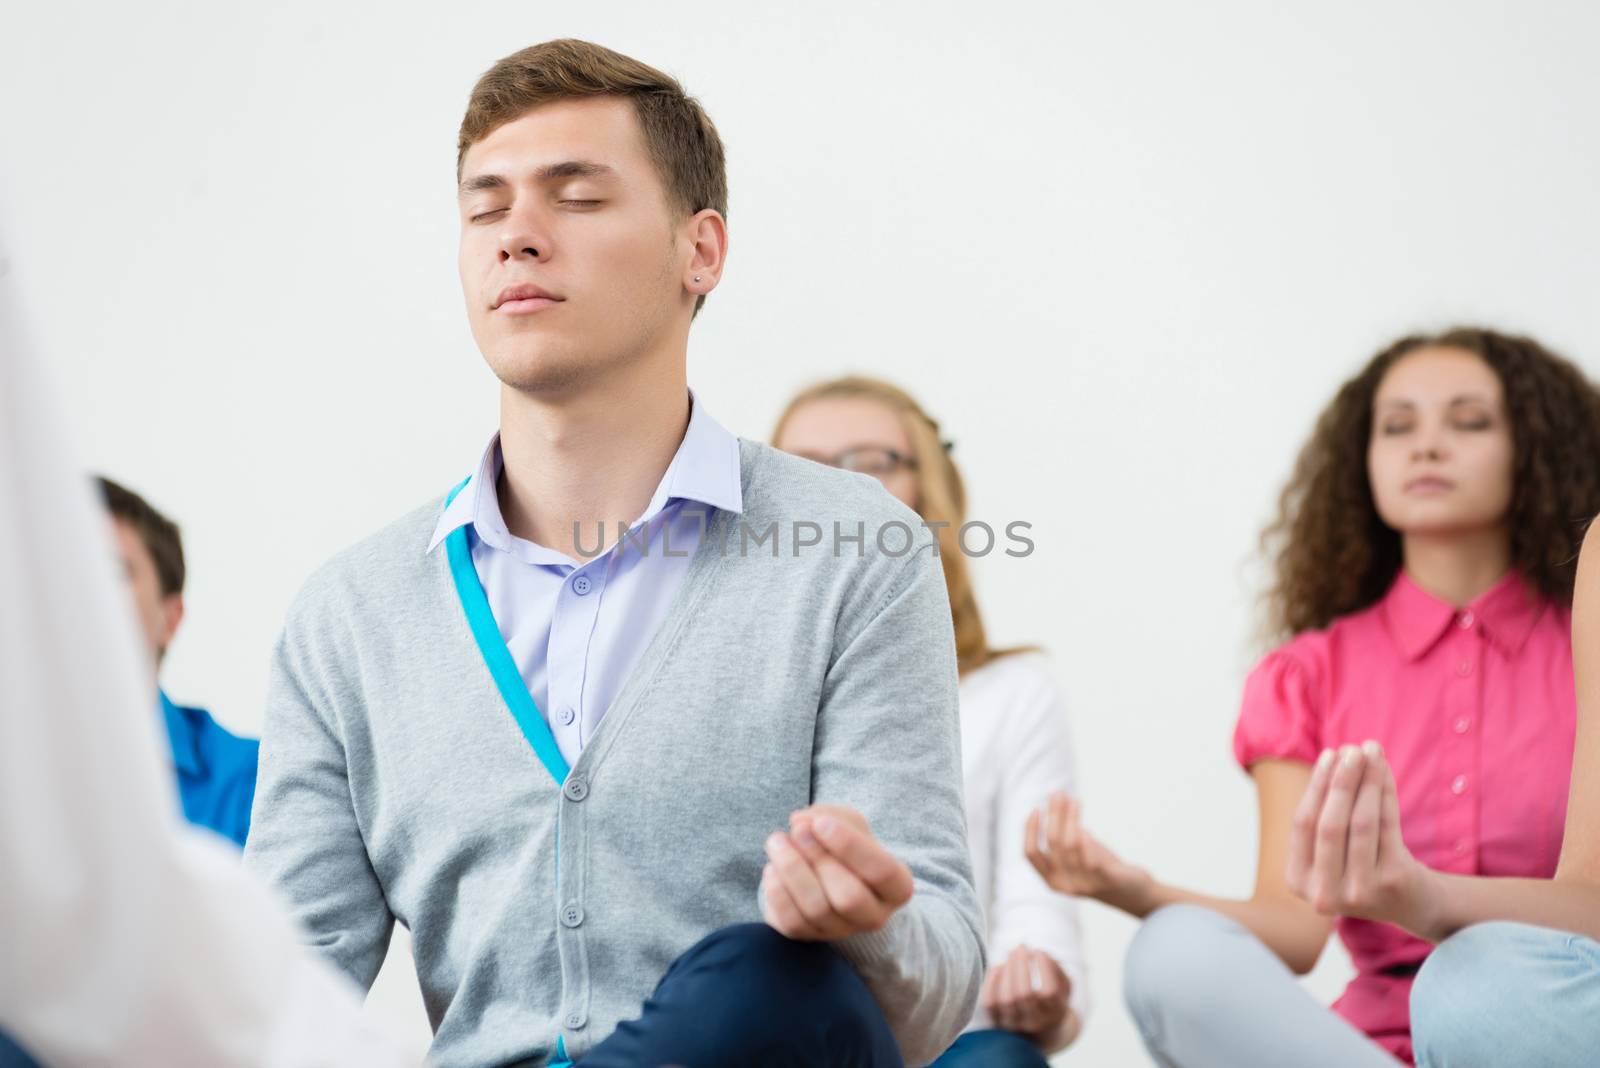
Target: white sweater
{"points": [[1016, 747]]}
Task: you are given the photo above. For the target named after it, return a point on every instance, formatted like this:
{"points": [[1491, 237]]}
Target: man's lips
{"points": [[524, 298]]}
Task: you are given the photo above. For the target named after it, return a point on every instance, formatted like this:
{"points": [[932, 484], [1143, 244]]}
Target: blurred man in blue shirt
{"points": [[216, 770]]}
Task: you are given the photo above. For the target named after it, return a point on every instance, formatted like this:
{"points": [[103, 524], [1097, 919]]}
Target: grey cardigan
{"points": [[395, 784]]}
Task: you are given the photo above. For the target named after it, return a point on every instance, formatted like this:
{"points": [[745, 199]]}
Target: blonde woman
{"points": [[1015, 745]]}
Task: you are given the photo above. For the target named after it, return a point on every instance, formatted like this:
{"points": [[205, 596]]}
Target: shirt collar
{"points": [[180, 732], [1417, 619], [705, 469]]}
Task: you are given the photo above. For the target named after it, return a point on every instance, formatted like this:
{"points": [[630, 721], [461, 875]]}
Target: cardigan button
{"points": [[576, 1020], [572, 915], [575, 789]]}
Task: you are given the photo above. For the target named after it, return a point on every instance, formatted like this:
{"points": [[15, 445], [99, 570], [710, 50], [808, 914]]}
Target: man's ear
{"points": [[171, 616], [707, 234]]}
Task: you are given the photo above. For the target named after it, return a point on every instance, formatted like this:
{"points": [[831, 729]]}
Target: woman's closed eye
{"points": [[1474, 421]]}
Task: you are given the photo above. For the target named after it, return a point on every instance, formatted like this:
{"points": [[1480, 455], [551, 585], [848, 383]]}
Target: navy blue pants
{"points": [[12, 1055], [746, 995], [741, 996]]}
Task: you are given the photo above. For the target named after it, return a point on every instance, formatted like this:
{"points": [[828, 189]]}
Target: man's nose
{"points": [[524, 236]]}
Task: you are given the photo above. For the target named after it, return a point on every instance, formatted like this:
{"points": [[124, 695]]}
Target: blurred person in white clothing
{"points": [[1015, 743], [127, 938]]}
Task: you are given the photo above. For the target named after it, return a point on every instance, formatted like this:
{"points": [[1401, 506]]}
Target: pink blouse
{"points": [[1476, 712]]}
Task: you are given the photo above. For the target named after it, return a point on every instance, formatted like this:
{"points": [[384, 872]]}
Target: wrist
{"points": [[1135, 893], [1425, 905], [1055, 1039]]}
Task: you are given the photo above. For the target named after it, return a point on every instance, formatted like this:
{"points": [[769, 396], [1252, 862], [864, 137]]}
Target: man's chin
{"points": [[541, 372]]}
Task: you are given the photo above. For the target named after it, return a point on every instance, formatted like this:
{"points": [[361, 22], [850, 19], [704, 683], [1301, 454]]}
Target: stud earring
{"points": [[697, 278]]}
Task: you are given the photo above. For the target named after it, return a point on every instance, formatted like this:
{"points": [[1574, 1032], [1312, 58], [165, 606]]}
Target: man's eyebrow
{"points": [[572, 168], [479, 183]]}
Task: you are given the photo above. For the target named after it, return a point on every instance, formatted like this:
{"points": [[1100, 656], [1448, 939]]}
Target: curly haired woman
{"points": [[1425, 554]]}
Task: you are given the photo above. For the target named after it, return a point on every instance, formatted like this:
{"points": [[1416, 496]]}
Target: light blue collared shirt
{"points": [[576, 628]]}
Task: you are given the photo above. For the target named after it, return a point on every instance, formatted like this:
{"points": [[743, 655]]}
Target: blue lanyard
{"points": [[475, 603]]}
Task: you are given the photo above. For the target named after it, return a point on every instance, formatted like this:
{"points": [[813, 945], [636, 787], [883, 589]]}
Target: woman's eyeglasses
{"points": [[872, 460]]}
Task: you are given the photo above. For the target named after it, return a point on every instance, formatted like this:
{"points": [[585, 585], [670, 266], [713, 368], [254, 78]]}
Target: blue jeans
{"points": [[746, 995], [992, 1049], [1508, 993]]}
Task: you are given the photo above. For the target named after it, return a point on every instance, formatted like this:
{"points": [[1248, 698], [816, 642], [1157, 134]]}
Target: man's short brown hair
{"points": [[158, 533], [678, 133]]}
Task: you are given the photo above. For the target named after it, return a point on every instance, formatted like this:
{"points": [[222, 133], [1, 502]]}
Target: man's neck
{"points": [[1461, 567], [592, 456]]}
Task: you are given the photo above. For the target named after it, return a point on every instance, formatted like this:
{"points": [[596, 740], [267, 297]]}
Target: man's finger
{"points": [[782, 915], [847, 895], [796, 875], [850, 898], [840, 812], [874, 865]]}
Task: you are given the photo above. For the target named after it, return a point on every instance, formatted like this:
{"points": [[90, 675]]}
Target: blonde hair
{"points": [[941, 498]]}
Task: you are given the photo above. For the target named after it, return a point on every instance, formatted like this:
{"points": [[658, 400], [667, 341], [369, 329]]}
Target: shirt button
{"points": [[1461, 847], [1467, 619], [1464, 669], [1458, 785], [572, 915], [1462, 724], [575, 789], [576, 1020], [581, 585], [568, 715]]}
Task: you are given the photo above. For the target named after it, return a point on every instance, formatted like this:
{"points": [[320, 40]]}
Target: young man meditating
{"points": [[581, 767]]}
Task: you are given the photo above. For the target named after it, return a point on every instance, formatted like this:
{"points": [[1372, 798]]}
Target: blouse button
{"points": [[1466, 621], [1462, 724], [1458, 785], [1461, 846], [1464, 669]]}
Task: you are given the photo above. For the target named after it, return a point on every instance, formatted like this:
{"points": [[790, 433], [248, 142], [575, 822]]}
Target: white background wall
{"points": [[1124, 251]]}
